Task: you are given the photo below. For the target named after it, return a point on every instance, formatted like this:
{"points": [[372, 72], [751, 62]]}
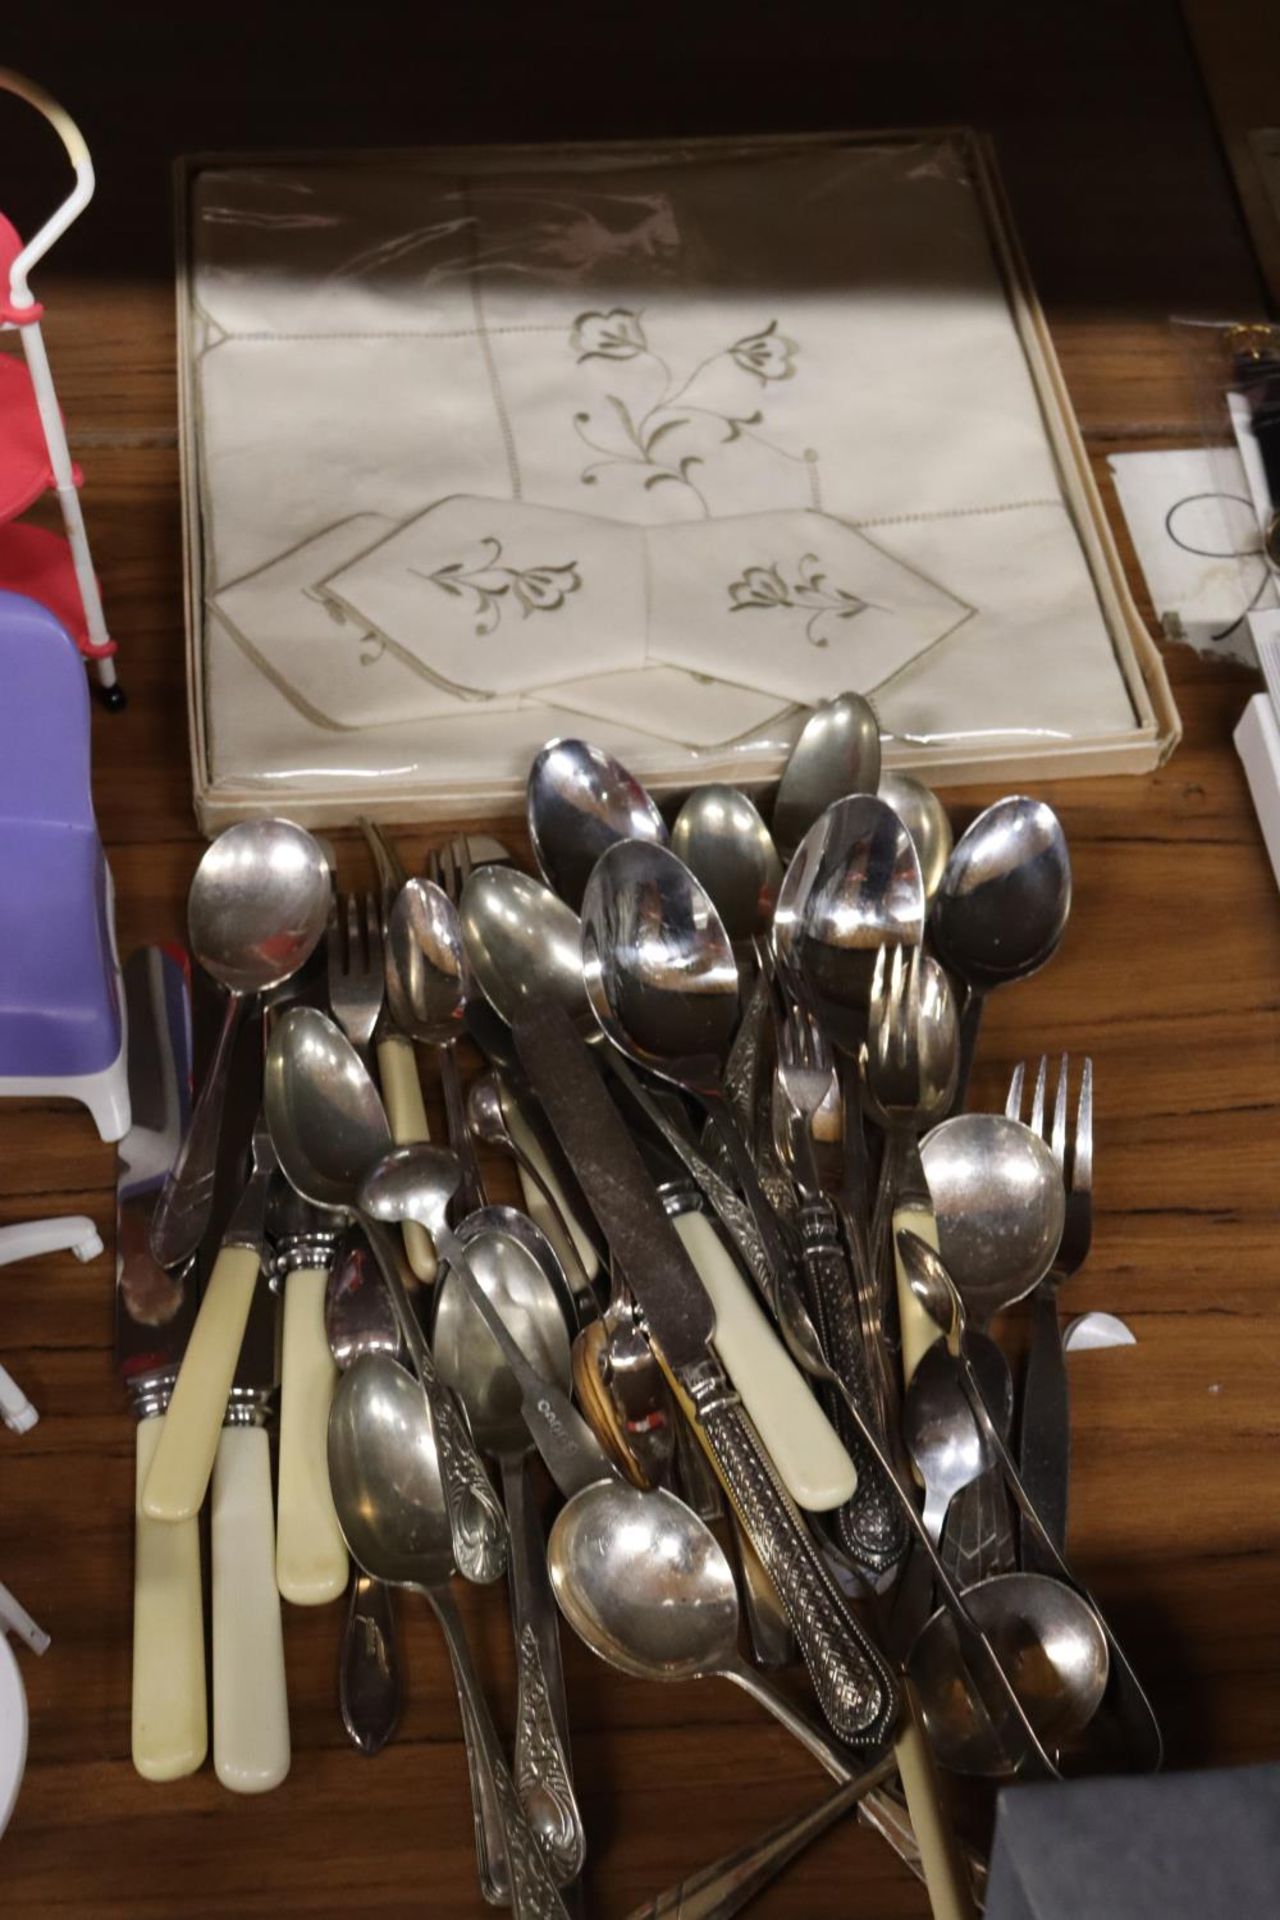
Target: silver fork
{"points": [[449, 869], [1044, 1441], [870, 1527], [356, 980]]}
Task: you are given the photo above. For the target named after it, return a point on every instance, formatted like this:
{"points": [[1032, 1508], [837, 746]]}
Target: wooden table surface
{"points": [[1167, 974]]}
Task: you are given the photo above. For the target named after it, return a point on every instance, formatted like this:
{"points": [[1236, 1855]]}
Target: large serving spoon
{"points": [[1053, 1645], [328, 1128], [837, 753], [1001, 907], [726, 845], [580, 800], [513, 1263], [258, 905], [853, 886], [388, 1488], [939, 1296], [359, 1318], [646, 1585]]}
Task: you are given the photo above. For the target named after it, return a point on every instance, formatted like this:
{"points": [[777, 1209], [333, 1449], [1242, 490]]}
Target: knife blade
{"points": [[154, 1312], [852, 1679]]}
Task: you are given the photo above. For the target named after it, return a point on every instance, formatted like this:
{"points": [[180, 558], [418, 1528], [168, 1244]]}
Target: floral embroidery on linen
{"points": [[765, 587], [649, 442], [540, 589]]}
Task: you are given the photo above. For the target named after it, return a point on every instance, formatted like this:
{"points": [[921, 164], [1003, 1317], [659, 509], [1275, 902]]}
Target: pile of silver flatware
{"points": [[743, 1315]]}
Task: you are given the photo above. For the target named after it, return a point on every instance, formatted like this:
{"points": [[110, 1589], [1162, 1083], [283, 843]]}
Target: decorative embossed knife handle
{"points": [[853, 1682], [870, 1527]]}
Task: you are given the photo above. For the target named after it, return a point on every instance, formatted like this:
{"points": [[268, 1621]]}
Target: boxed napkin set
{"points": [[659, 444]]}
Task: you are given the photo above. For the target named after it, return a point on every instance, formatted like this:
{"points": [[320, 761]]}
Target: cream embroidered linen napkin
{"points": [[685, 438]]}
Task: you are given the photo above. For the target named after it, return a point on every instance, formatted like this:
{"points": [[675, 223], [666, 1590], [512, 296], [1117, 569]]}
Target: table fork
{"points": [[356, 980], [1044, 1441], [870, 1526]]}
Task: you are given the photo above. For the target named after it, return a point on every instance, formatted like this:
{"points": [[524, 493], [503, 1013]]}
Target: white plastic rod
{"points": [[16, 1619], [179, 1475], [66, 1233], [407, 1115], [251, 1750], [803, 1445], [311, 1555], [945, 1874], [170, 1709], [919, 1330], [16, 1410], [535, 1202]]}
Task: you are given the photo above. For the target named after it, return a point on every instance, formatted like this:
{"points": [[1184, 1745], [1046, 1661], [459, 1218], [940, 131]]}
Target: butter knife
{"points": [[154, 1312], [854, 1684]]}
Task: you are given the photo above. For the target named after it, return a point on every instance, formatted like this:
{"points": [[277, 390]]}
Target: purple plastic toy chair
{"points": [[61, 1030]]}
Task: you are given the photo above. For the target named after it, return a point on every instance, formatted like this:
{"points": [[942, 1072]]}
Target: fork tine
{"points": [[1037, 1098], [878, 985], [373, 933], [1082, 1150], [355, 934], [1058, 1138], [1013, 1099], [915, 969], [465, 868]]}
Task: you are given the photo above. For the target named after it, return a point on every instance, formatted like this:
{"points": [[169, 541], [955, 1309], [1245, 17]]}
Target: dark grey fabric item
{"points": [[1177, 1846]]}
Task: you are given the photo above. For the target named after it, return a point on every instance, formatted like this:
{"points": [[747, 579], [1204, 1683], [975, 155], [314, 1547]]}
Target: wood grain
{"points": [[1167, 976]]}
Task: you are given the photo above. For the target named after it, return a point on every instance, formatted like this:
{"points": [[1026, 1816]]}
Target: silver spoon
{"points": [[1002, 905], [488, 1122], [427, 990], [726, 845], [328, 1128], [926, 820], [513, 1267], [359, 1318], [258, 905], [837, 753], [853, 886], [580, 800], [660, 973], [524, 944], [384, 1468], [938, 1294], [941, 1435], [999, 1203], [1051, 1643], [417, 1183], [645, 1583]]}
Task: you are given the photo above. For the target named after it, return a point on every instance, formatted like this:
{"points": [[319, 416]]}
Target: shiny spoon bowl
{"points": [[524, 945], [837, 754], [726, 845], [385, 1472], [853, 887], [644, 1582], [259, 903], [926, 820], [579, 801], [1000, 1206], [1051, 1644]]}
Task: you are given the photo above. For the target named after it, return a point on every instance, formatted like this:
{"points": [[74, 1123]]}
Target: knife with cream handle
{"points": [[251, 1749], [154, 1314], [179, 1476], [312, 1565]]}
